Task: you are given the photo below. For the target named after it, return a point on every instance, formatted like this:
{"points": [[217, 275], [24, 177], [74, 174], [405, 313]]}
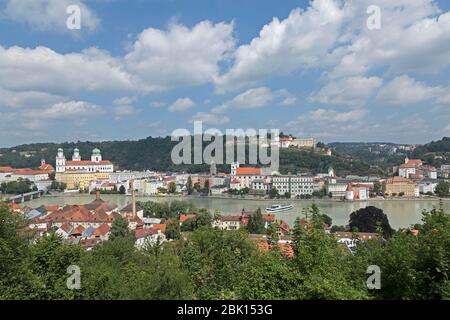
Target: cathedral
{"points": [[96, 164]]}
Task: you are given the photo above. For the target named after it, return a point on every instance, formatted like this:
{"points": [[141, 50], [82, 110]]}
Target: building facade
{"points": [[96, 164], [399, 185]]}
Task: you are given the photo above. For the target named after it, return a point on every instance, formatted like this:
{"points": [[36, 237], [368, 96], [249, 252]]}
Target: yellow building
{"points": [[80, 179], [398, 185]]}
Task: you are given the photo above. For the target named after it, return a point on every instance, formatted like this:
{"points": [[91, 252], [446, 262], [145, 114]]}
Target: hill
{"points": [[154, 154]]}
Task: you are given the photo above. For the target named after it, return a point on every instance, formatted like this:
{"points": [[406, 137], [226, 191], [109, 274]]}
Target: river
{"points": [[401, 213]]}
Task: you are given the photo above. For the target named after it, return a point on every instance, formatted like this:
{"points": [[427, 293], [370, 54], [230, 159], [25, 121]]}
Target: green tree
{"points": [[256, 223], [269, 276], [201, 219], [122, 189], [369, 219], [376, 187], [215, 260], [49, 260], [206, 187], [326, 272], [273, 193], [16, 279], [189, 185], [119, 229], [173, 230], [442, 189], [172, 188]]}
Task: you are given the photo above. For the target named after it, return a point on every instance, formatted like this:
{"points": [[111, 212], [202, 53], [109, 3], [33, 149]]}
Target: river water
{"points": [[401, 213]]}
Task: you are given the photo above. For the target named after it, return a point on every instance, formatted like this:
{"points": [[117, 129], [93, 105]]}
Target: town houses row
{"points": [[413, 179]]}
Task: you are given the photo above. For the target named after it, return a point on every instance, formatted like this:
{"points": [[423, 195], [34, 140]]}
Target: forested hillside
{"points": [[154, 154]]}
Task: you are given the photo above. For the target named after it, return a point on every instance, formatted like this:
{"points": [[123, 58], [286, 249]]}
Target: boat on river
{"points": [[279, 208]]}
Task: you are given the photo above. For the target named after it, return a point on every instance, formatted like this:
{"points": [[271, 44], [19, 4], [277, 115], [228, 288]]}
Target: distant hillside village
{"points": [[411, 179]]}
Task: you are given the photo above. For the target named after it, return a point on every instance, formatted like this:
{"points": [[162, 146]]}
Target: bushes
{"points": [[216, 264]]}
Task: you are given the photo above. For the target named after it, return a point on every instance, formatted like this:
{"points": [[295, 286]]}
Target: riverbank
{"points": [[401, 213], [251, 198]]}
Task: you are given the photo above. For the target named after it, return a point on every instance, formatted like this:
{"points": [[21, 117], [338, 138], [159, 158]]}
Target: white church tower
{"points": [[76, 155], [60, 161], [96, 155]]}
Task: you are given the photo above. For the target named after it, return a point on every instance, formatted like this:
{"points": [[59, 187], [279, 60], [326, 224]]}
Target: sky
{"points": [[335, 70]]}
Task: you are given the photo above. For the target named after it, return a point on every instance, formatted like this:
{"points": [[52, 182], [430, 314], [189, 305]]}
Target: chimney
{"points": [[97, 195]]}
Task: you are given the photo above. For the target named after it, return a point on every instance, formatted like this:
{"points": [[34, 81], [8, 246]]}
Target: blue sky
{"points": [[140, 68]]}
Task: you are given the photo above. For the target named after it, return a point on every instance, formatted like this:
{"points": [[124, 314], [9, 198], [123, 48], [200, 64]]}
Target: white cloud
{"points": [[124, 101], [404, 90], [255, 98], [289, 101], [48, 15], [302, 40], [414, 36], [179, 56], [181, 105], [42, 69], [329, 124], [210, 118], [71, 110], [352, 91], [13, 99], [331, 35]]}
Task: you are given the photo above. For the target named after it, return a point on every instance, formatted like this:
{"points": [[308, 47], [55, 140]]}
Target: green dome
{"points": [[76, 150], [96, 151], [60, 150]]}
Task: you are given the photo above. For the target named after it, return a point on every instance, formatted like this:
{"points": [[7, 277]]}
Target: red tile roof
{"points": [[101, 230], [248, 171], [46, 167], [66, 227], [159, 226], [185, 217], [398, 180], [6, 169], [14, 206], [230, 218], [28, 171], [142, 233], [415, 162], [77, 230], [52, 208]]}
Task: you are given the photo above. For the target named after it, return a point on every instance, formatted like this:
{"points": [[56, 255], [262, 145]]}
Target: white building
{"points": [[336, 189], [32, 175], [148, 237], [5, 173], [245, 176], [427, 186], [296, 185], [261, 184], [123, 176], [303, 143], [96, 164], [151, 187]]}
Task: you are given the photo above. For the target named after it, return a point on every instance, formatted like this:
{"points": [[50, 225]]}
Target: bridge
{"points": [[25, 196]]}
